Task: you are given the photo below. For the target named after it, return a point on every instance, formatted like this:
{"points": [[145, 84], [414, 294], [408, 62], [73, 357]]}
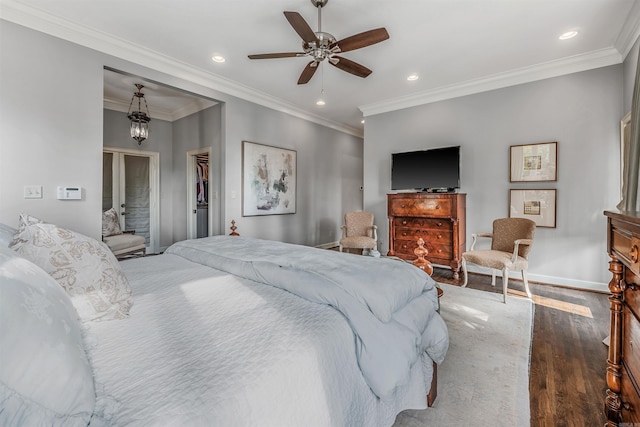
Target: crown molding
{"points": [[37, 19], [574, 64], [629, 32], [168, 116]]}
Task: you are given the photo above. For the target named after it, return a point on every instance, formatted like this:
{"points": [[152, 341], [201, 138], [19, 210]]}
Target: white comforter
{"points": [[388, 304], [203, 347]]}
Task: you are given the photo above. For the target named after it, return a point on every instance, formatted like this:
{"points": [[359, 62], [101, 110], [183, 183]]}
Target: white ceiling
{"points": [[457, 47]]}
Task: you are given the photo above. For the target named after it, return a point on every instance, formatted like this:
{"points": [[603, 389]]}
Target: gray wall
{"points": [[580, 111], [51, 133], [329, 165], [200, 130]]}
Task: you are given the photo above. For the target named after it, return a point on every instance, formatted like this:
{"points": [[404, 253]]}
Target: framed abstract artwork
{"points": [[268, 180], [533, 162], [538, 205]]}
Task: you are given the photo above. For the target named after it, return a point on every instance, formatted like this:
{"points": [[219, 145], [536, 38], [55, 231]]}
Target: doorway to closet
{"points": [[199, 193], [130, 182]]}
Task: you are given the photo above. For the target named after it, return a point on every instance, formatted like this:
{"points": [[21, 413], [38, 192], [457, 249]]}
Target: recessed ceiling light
{"points": [[320, 102], [568, 35], [218, 58], [413, 77]]}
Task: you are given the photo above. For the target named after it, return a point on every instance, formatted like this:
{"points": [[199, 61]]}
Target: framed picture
{"points": [[538, 205], [533, 162], [268, 180]]}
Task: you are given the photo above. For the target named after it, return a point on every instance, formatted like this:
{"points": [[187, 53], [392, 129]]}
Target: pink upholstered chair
{"points": [[358, 232], [511, 242]]}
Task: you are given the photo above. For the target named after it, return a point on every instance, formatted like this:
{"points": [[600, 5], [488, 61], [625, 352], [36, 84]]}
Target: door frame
{"points": [[154, 189], [192, 203]]}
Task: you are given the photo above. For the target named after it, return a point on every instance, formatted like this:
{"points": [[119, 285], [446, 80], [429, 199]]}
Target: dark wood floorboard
{"points": [[568, 359]]}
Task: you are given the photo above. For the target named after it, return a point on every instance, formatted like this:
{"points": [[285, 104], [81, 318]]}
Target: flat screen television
{"points": [[435, 169]]}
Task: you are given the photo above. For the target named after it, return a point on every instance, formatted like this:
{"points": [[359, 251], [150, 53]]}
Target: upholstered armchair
{"points": [[121, 243], [511, 242], [358, 232]]}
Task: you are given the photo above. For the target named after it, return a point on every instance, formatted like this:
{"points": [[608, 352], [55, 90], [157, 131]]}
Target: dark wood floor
{"points": [[568, 358]]}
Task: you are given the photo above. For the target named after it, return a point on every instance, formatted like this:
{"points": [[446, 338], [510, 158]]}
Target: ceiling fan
{"points": [[320, 46]]}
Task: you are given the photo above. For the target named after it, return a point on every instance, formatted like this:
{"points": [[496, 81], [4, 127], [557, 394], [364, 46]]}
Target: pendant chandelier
{"points": [[139, 119]]}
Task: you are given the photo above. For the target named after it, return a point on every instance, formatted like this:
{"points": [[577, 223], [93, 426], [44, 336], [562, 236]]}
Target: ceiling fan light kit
{"points": [[319, 45]]}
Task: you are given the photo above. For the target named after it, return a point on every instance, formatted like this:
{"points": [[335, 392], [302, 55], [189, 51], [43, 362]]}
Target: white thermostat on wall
{"points": [[69, 193]]}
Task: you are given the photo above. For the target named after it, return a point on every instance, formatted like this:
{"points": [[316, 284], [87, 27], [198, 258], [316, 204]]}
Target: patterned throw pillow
{"points": [[110, 223], [86, 269], [45, 375]]}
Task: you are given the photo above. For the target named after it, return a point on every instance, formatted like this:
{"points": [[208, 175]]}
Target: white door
{"points": [[130, 185]]}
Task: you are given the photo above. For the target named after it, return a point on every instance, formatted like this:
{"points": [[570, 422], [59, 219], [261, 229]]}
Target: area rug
{"points": [[484, 380]]}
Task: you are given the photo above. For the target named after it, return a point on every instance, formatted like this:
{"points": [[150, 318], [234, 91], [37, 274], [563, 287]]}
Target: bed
{"points": [[216, 331]]}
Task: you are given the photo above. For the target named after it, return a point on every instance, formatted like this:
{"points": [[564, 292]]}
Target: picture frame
{"points": [[268, 180], [533, 162], [538, 205]]}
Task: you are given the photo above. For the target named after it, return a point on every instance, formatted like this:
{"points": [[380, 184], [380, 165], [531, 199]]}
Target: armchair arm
{"points": [[517, 243], [375, 233], [344, 231], [475, 236]]}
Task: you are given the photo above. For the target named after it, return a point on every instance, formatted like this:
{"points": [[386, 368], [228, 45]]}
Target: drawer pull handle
{"points": [[437, 206], [403, 206], [439, 224], [439, 236], [404, 234], [633, 255], [404, 222], [627, 406]]}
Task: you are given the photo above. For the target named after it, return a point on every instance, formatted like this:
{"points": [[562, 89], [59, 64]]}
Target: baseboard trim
{"points": [[548, 280]]}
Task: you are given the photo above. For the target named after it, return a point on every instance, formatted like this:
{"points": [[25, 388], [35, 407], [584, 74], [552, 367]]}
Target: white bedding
{"points": [[203, 347]]}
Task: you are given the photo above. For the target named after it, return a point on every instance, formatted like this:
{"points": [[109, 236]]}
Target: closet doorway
{"points": [[130, 183], [199, 193]]}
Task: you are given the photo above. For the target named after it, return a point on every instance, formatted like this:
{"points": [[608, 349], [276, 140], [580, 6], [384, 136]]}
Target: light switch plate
{"points": [[33, 191]]}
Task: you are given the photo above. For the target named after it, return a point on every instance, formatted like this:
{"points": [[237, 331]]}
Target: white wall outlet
{"points": [[33, 191], [233, 194]]}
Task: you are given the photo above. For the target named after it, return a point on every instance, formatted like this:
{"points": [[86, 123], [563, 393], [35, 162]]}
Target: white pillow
{"points": [[45, 375], [6, 235], [110, 223], [86, 269]]}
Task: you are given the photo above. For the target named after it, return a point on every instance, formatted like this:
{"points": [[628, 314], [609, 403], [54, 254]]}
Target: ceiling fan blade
{"points": [[276, 55], [362, 40], [300, 25], [308, 72], [350, 67]]}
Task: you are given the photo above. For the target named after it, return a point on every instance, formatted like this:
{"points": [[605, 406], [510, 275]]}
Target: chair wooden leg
{"points": [[465, 272], [526, 283], [505, 283], [340, 247], [493, 277]]}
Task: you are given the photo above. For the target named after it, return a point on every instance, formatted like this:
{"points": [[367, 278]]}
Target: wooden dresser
{"points": [[439, 218], [622, 401]]}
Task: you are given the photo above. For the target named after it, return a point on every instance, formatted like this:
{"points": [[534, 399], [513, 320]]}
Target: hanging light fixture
{"points": [[139, 119]]}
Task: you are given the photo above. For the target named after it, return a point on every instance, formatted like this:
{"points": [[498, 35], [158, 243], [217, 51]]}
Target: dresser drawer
{"points": [[436, 251], [626, 247], [631, 343], [632, 298], [421, 223], [438, 207], [443, 237], [630, 401]]}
